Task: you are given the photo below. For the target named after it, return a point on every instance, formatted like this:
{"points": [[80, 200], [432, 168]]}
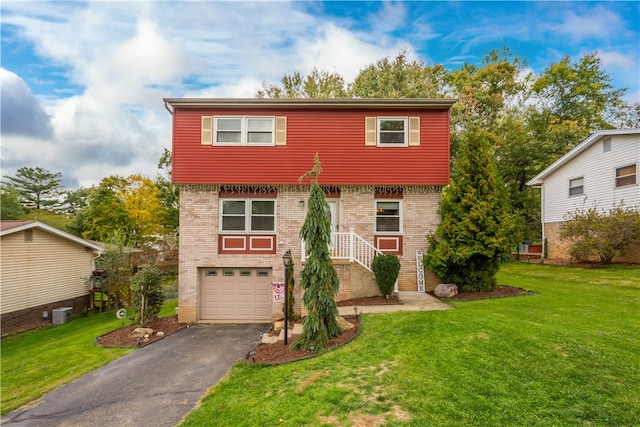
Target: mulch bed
{"points": [[277, 353], [499, 292], [122, 337], [378, 300]]}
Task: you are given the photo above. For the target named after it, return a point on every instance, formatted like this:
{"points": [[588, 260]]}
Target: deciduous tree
{"points": [[106, 214], [572, 100], [318, 84], [147, 294], [10, 207], [400, 78]]}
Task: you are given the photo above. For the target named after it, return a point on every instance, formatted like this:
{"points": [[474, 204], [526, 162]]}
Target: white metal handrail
{"points": [[350, 246]]}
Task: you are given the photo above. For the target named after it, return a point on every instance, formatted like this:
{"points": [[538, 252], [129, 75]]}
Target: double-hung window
{"points": [[576, 186], [244, 130], [626, 175], [388, 215], [392, 131], [248, 215]]}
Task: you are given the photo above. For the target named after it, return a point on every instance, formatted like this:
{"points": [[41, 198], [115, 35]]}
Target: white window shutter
{"points": [[206, 137], [281, 131], [370, 131], [414, 131]]}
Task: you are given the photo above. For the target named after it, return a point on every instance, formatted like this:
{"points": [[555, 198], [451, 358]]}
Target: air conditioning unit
{"points": [[61, 315]]}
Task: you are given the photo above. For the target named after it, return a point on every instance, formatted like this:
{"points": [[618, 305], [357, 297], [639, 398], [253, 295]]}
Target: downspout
{"points": [[544, 246]]}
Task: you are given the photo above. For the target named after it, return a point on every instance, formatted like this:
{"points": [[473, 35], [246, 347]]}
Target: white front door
{"points": [[332, 213]]}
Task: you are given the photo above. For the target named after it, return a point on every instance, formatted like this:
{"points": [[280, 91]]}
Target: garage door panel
{"points": [[233, 295]]}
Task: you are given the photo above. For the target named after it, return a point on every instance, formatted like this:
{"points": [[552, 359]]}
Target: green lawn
{"points": [[38, 361], [566, 356]]}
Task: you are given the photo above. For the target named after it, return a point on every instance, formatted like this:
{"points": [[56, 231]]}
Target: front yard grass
{"points": [[566, 356], [35, 362]]}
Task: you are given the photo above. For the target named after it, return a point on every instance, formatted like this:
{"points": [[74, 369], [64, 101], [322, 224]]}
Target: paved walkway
{"points": [[411, 301]]}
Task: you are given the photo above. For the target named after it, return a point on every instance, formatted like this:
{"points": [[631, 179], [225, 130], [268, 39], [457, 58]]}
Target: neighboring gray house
{"points": [[602, 170], [43, 268]]}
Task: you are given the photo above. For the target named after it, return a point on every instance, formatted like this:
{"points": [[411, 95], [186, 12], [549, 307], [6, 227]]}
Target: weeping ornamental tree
{"points": [[476, 227], [319, 279]]}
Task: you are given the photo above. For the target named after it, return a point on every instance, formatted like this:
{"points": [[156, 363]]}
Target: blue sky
{"points": [[82, 82]]}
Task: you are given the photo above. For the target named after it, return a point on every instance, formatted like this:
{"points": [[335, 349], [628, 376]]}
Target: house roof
{"points": [[329, 103], [10, 227], [593, 138]]}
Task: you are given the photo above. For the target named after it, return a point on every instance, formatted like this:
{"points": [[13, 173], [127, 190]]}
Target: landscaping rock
{"points": [[445, 290], [344, 325], [141, 332]]}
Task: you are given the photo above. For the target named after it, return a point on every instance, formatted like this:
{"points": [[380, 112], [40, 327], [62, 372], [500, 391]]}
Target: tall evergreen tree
{"points": [[319, 278], [476, 227], [39, 188]]}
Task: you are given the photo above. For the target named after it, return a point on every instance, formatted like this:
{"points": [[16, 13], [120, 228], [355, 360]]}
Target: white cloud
{"points": [[22, 112], [338, 50], [391, 16], [598, 22]]}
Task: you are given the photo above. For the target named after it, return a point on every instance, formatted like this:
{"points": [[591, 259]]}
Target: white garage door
{"points": [[236, 294]]}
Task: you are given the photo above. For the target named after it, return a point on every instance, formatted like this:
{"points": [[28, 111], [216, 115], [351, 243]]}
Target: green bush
{"points": [[386, 269], [595, 233]]}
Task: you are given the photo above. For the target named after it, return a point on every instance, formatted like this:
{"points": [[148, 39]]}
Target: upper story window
{"points": [[626, 175], [388, 215], [392, 131], [606, 145], [576, 186], [248, 215], [244, 130]]}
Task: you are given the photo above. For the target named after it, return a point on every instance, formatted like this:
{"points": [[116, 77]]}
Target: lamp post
{"points": [[286, 260]]}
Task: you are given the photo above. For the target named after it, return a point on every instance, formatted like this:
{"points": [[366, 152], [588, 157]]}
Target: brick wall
{"points": [[31, 318], [558, 249], [199, 206]]}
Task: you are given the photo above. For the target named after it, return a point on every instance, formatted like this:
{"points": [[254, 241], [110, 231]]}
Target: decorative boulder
{"points": [[446, 290], [141, 332], [343, 323]]}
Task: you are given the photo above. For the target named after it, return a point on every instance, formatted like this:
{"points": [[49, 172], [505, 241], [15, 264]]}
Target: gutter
{"points": [[166, 106], [328, 103]]}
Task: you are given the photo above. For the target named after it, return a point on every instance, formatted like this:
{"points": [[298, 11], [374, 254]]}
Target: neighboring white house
{"points": [[601, 171], [43, 268]]}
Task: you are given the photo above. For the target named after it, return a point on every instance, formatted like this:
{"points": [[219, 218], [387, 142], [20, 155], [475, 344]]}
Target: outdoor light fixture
{"points": [[301, 203], [312, 347], [355, 310], [252, 354], [286, 260]]}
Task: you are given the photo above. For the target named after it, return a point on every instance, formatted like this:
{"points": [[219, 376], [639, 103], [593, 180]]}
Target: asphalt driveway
{"points": [[156, 385]]}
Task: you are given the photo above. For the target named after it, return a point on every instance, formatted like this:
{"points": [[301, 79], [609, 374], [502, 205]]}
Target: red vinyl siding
{"points": [[338, 138]]}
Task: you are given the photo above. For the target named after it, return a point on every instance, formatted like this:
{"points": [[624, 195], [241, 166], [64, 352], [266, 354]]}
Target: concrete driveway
{"points": [[156, 385]]}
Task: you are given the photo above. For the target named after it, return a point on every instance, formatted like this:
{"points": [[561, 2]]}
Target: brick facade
{"points": [[199, 219], [558, 249]]}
